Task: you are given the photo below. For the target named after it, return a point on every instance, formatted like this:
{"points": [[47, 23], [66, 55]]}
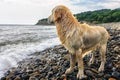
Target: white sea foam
{"points": [[17, 46]]}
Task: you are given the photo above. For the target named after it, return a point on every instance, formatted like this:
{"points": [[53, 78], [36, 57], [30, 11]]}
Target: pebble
{"points": [[106, 76], [33, 78], [17, 78], [25, 76], [3, 78], [116, 75], [111, 79], [100, 75], [89, 73], [117, 49], [49, 74]]}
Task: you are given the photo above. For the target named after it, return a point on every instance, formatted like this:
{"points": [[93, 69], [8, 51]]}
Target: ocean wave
{"points": [[16, 53], [18, 42]]}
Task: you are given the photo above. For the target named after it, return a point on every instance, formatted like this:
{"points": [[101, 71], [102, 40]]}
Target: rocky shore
{"points": [[52, 63]]}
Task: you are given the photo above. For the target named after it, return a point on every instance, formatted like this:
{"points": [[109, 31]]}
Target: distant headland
{"points": [[97, 16]]}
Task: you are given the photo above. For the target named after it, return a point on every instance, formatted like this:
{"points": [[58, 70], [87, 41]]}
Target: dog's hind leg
{"points": [[103, 57], [72, 64]]}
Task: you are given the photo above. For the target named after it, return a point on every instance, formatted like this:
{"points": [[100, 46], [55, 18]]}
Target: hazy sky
{"points": [[30, 11]]}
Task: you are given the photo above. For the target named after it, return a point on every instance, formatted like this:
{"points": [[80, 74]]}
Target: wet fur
{"points": [[79, 39]]}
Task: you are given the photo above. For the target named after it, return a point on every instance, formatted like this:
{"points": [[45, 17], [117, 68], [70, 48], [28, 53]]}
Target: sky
{"points": [[30, 11]]}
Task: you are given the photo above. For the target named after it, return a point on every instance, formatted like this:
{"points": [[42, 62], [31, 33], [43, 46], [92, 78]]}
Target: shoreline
{"points": [[51, 63]]}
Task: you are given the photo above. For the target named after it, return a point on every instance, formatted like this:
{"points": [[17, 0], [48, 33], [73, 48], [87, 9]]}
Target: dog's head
{"points": [[58, 13]]}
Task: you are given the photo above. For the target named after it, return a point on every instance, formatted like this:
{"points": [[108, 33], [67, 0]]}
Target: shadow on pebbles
{"points": [[52, 63]]}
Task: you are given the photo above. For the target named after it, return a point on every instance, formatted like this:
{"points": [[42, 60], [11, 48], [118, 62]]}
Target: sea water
{"points": [[17, 42]]}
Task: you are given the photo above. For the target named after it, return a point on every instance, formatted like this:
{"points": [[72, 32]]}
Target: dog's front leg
{"points": [[72, 64], [80, 74]]}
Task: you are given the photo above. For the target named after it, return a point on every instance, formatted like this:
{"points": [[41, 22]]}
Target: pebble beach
{"points": [[51, 63]]}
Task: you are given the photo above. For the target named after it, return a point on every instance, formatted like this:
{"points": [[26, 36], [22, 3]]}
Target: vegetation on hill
{"points": [[98, 16]]}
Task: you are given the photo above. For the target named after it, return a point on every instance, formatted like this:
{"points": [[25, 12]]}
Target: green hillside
{"points": [[98, 16]]}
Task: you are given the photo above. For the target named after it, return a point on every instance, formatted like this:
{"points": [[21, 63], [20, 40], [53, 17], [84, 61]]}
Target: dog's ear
{"points": [[58, 14]]}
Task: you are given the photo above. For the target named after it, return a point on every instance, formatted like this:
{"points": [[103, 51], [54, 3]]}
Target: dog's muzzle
{"points": [[50, 20]]}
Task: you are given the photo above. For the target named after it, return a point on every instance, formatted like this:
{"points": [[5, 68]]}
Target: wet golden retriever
{"points": [[78, 39]]}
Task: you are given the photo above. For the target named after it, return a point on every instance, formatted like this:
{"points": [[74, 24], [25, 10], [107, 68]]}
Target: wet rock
{"points": [[64, 52], [43, 75], [117, 64], [66, 57], [17, 78], [107, 76], [117, 49], [100, 74], [111, 79], [66, 63], [55, 69], [25, 76], [94, 70], [109, 65], [33, 78], [116, 75], [62, 77], [49, 74], [89, 73], [17, 72], [3, 78], [37, 60], [29, 71], [114, 68], [10, 77], [7, 73]]}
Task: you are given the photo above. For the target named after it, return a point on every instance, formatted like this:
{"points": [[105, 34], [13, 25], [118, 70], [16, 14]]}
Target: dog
{"points": [[79, 39]]}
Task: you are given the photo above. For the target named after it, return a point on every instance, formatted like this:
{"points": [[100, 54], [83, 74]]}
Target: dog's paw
{"points": [[69, 71], [81, 75], [101, 69]]}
